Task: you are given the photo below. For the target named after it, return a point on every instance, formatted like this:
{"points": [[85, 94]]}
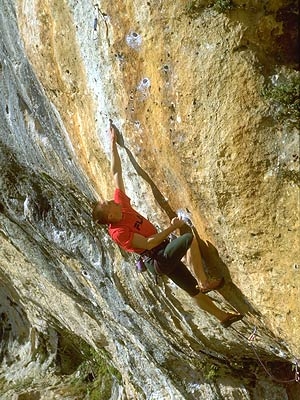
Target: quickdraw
{"points": [[250, 340]]}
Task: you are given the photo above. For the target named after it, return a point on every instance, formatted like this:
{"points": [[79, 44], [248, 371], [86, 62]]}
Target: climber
{"points": [[132, 232]]}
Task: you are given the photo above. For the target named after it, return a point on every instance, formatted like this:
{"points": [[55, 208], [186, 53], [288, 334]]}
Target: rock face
{"points": [[184, 83]]}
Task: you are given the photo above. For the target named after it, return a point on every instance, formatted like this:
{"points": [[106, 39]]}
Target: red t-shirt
{"points": [[132, 222]]}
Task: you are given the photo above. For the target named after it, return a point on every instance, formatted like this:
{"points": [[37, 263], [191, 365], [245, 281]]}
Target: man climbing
{"points": [[134, 233]]}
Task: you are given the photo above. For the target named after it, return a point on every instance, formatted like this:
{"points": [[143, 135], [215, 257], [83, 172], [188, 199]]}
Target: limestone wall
{"points": [[184, 83]]}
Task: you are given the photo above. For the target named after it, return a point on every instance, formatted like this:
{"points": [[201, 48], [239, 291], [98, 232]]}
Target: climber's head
{"points": [[107, 212]]}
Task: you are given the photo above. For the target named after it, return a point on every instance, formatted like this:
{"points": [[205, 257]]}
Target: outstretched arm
{"points": [[116, 167]]}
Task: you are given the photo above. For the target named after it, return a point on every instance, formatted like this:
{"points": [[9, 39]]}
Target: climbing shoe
{"points": [[214, 284], [230, 319]]}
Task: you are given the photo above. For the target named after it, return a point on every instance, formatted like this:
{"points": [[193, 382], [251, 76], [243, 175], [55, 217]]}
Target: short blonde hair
{"points": [[99, 214]]}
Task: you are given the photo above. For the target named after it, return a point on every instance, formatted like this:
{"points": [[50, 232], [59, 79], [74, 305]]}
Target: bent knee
{"points": [[189, 237]]}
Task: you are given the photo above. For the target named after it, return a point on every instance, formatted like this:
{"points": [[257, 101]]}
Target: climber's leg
{"points": [[196, 264]]}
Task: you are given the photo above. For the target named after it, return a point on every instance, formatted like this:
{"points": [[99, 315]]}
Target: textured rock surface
{"points": [[184, 86]]}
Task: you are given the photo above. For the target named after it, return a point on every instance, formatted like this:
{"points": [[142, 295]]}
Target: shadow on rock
{"points": [[216, 267]]}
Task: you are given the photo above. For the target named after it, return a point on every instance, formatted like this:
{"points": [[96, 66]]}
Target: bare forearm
{"points": [[148, 243], [115, 164], [158, 238]]}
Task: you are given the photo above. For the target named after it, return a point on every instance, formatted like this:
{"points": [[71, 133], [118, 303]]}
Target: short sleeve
{"points": [[123, 237]]}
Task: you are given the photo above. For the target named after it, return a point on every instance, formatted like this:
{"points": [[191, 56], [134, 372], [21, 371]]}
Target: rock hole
{"points": [[143, 87], [85, 274], [134, 40]]}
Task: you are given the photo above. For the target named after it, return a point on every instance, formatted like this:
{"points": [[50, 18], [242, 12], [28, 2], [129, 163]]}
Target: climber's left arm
{"points": [[116, 167]]}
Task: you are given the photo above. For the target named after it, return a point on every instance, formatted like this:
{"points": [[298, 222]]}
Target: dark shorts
{"points": [[169, 263]]}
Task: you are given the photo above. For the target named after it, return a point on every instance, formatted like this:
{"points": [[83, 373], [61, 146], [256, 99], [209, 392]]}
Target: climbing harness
{"points": [[151, 254], [251, 339]]}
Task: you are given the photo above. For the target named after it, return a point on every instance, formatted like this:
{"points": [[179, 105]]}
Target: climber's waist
{"points": [[153, 252]]}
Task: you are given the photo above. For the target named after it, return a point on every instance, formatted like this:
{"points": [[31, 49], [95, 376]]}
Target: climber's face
{"points": [[113, 211]]}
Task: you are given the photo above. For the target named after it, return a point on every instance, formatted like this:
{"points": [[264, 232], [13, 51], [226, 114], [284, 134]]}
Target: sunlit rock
{"points": [[184, 84]]}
